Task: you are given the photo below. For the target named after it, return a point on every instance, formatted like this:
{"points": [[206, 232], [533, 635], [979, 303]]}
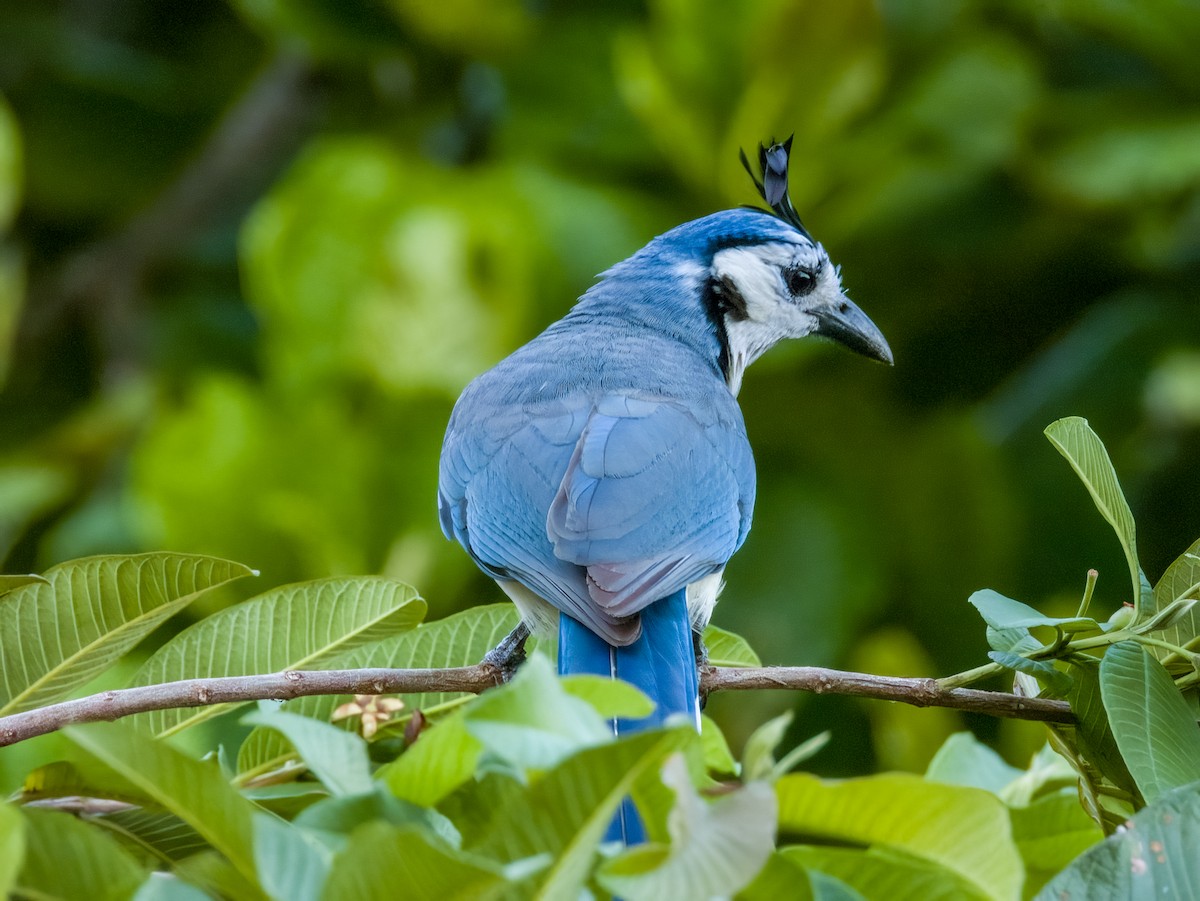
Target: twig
{"points": [[917, 692], [111, 705]]}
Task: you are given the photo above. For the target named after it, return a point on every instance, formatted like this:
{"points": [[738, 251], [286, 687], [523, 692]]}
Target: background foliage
{"points": [[252, 251]]}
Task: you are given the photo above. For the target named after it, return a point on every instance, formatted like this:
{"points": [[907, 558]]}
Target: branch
{"points": [[917, 692], [112, 705]]}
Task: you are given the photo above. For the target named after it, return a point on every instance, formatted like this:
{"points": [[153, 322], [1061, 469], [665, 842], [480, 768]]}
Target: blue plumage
{"points": [[603, 470]]}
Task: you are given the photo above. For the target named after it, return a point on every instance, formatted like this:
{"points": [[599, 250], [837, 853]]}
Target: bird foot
{"points": [[510, 653], [701, 651]]}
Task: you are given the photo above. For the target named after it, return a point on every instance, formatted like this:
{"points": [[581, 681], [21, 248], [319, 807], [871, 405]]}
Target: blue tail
{"points": [[662, 663]]}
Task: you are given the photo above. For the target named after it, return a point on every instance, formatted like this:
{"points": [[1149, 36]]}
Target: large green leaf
{"points": [[385, 862], [716, 848], [964, 830], [67, 858], [567, 810], [458, 640], [1153, 725], [12, 846], [1153, 857], [311, 625], [1084, 450], [195, 792], [59, 634], [1181, 580]]}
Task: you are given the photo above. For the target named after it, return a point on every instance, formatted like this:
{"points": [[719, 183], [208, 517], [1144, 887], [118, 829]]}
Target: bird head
{"points": [[764, 278]]}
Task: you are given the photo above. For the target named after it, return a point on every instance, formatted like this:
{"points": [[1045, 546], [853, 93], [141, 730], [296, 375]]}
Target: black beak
{"points": [[847, 324]]}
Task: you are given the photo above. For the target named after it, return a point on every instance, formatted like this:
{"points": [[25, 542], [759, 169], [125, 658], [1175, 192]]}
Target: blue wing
{"points": [[599, 505]]}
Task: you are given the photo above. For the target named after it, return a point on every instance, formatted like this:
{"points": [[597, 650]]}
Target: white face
{"points": [[771, 291]]}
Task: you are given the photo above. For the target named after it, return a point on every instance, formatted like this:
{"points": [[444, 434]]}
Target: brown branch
{"points": [[917, 692], [112, 705]]}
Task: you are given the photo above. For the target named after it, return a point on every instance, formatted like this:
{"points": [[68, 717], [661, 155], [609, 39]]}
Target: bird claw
{"points": [[509, 653], [700, 649]]}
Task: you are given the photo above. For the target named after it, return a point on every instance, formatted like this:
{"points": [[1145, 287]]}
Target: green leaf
{"points": [[594, 780], [1004, 614], [458, 640], [339, 816], [60, 633], [1016, 641], [218, 877], [611, 698], [160, 838], [1048, 772], [1152, 723], [168, 887], [716, 848], [11, 582], [67, 858], [386, 862], [717, 756], [441, 760], [964, 830], [195, 792], [1180, 581], [12, 847], [1153, 857], [728, 649], [786, 877], [532, 722], [1083, 449], [889, 873], [1051, 832], [758, 755], [1092, 729], [1182, 578], [292, 863], [1055, 680], [310, 625], [336, 757], [965, 760]]}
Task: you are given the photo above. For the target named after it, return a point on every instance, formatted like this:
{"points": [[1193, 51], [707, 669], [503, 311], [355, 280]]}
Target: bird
{"points": [[602, 474]]}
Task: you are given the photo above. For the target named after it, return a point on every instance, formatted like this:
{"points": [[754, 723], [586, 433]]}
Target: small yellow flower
{"points": [[372, 709]]}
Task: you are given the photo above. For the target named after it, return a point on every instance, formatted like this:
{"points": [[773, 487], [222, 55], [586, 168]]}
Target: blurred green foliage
{"points": [[250, 254]]}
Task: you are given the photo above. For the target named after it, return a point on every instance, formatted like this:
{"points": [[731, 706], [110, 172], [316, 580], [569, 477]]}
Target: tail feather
{"points": [[662, 663]]}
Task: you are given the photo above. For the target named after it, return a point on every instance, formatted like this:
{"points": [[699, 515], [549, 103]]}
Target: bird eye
{"points": [[800, 281]]}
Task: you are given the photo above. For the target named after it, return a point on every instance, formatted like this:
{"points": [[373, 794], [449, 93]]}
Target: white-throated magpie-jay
{"points": [[602, 473]]}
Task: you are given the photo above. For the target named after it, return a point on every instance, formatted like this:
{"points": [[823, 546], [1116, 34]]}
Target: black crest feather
{"points": [[773, 162]]}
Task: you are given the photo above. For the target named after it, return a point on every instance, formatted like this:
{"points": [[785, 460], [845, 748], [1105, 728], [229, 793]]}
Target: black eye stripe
{"points": [[799, 281]]}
